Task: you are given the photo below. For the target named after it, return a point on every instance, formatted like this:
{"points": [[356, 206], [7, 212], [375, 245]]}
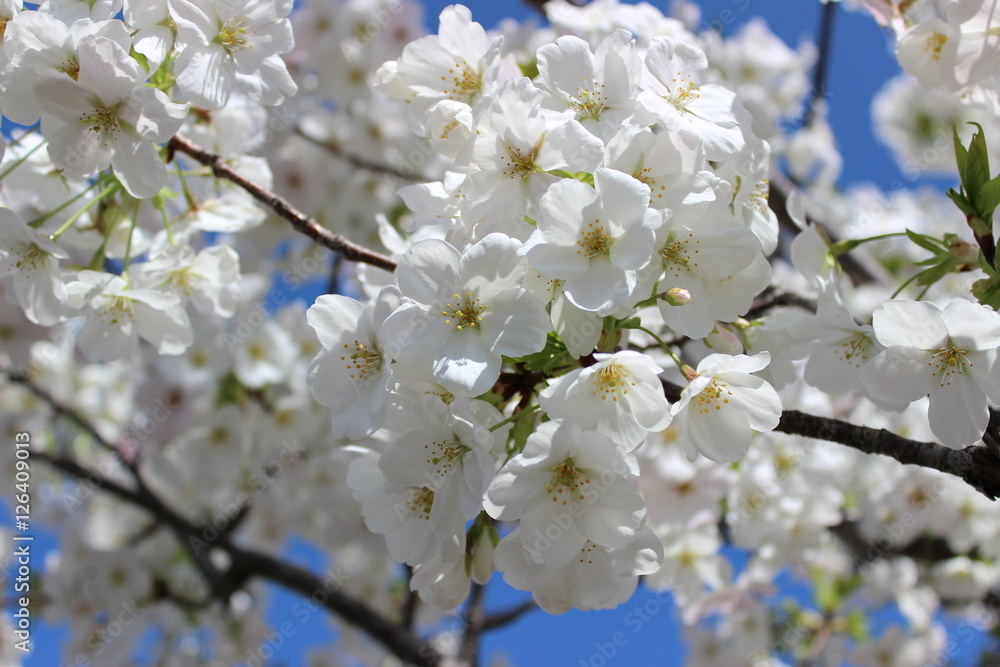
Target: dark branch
{"points": [[244, 564], [769, 300], [404, 645], [408, 613], [822, 66], [978, 466], [468, 652], [300, 221], [507, 616], [61, 410], [778, 202]]}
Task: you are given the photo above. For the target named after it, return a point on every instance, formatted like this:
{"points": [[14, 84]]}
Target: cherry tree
{"points": [[572, 307]]}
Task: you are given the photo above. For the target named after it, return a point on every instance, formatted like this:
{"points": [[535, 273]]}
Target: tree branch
{"points": [[408, 613], [403, 644], [978, 466], [299, 220], [357, 161], [777, 200], [468, 652], [507, 616], [821, 68], [244, 563]]}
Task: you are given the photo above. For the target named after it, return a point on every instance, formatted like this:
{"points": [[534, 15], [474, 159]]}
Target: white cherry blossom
{"points": [[107, 116], [596, 239], [118, 316], [29, 265], [722, 406], [568, 487], [352, 374], [620, 396], [949, 354], [462, 311], [236, 43]]}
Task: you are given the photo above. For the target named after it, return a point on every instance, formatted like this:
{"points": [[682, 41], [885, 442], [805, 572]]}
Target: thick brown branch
{"points": [[404, 645], [979, 466], [300, 221]]}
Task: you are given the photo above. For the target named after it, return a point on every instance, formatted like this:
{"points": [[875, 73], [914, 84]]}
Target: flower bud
{"points": [[482, 558], [676, 296]]}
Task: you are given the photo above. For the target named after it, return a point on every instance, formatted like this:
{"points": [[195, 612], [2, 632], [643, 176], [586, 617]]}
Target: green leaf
{"points": [[961, 155], [977, 165], [633, 323], [987, 198], [529, 70], [936, 273], [582, 176], [139, 58], [987, 292], [825, 592], [928, 243], [985, 266], [554, 355], [963, 204], [857, 625]]}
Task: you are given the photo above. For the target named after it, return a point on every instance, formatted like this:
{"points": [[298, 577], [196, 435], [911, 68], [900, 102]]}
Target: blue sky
{"points": [[862, 60]]}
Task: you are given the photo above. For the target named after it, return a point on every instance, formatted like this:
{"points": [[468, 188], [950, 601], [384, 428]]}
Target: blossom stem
{"points": [[19, 161], [666, 348], [847, 245], [167, 226], [97, 260], [128, 243], [904, 285], [37, 222], [28, 131], [513, 417]]}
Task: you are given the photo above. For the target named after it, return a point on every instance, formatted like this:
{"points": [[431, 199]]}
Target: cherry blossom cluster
{"points": [[580, 219]]}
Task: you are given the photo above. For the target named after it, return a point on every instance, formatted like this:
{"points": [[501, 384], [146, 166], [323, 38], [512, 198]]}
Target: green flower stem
{"points": [[19, 161], [513, 417], [128, 243], [76, 216], [847, 245], [666, 348]]}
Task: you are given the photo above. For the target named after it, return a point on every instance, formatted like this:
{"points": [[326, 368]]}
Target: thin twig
{"points": [[771, 300], [338, 152], [246, 564], [299, 220], [61, 410], [778, 202]]}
